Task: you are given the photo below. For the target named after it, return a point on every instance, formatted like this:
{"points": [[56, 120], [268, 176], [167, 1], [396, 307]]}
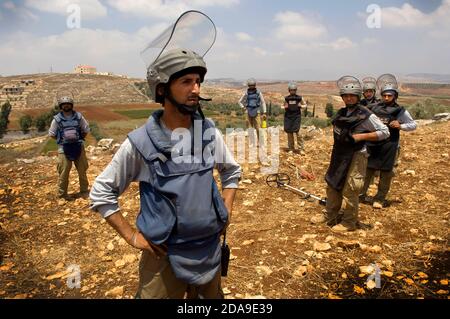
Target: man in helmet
{"points": [[384, 154], [369, 92], [70, 128], [353, 126], [182, 213], [253, 101], [293, 104]]}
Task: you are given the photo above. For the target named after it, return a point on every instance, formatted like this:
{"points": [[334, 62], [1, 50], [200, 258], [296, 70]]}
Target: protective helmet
{"points": [[349, 85], [251, 82], [369, 83], [65, 100], [172, 63], [292, 86], [388, 82]]}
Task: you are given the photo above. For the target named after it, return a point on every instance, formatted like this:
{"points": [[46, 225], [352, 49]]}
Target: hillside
{"points": [[276, 252], [87, 89]]}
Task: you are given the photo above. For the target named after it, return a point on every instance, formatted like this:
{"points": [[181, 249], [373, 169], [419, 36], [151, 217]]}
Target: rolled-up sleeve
{"points": [[407, 123], [263, 107], [230, 171], [242, 101], [378, 126], [53, 128], [84, 125], [114, 180]]}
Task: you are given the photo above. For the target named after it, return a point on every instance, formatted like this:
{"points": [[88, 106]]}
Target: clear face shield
{"points": [[369, 83], [193, 31], [349, 89], [348, 82], [387, 80], [63, 96]]}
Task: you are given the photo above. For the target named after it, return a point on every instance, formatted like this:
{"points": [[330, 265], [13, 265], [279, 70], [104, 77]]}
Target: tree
{"points": [[4, 117], [3, 125], [6, 110], [25, 123], [41, 123], [329, 110]]}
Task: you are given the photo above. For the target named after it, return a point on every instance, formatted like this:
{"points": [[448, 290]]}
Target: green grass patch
{"points": [[136, 114], [50, 146]]}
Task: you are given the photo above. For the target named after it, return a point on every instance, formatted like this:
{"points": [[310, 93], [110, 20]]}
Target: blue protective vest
{"points": [[253, 102], [181, 205], [68, 125]]}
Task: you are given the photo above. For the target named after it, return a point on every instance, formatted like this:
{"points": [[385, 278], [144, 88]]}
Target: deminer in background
{"points": [[70, 128], [253, 101], [369, 92], [293, 104], [353, 126], [384, 154]]}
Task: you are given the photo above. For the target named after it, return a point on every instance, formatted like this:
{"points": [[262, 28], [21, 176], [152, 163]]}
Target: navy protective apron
{"points": [[383, 153], [293, 114], [181, 205], [344, 146]]}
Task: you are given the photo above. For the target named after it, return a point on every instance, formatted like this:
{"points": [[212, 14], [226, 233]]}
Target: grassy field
{"points": [[136, 114]]}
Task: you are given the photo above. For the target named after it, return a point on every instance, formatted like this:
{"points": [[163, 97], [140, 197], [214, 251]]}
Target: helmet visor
{"points": [[387, 80], [193, 31], [348, 82]]}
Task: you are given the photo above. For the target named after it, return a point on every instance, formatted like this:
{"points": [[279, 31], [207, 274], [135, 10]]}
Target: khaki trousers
{"points": [[349, 196], [253, 122], [64, 167], [384, 184], [157, 281], [291, 141]]}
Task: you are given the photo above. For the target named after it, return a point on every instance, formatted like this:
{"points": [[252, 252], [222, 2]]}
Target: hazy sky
{"points": [[285, 39]]}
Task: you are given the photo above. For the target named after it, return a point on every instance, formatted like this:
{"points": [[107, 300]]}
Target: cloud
{"points": [[90, 9], [340, 44], [108, 50], [244, 37], [405, 17], [297, 26], [17, 12], [409, 17], [162, 9]]}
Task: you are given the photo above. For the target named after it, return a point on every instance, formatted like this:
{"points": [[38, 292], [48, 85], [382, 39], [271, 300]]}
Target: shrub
{"points": [[25, 123], [95, 131], [329, 110], [426, 109]]}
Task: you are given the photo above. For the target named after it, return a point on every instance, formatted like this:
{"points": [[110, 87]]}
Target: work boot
{"points": [[379, 204], [364, 199], [84, 194], [322, 218]]}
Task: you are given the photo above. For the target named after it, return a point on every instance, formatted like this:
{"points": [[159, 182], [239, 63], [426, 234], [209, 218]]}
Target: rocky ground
{"points": [[276, 251]]}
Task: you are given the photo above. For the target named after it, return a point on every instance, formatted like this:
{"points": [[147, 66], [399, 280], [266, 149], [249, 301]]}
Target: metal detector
{"points": [[282, 180]]}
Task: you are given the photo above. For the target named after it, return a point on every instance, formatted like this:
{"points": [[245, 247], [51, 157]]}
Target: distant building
{"points": [[85, 69], [12, 90]]}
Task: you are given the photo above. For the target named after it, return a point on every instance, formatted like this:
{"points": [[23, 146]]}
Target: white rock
{"points": [[263, 270], [366, 269], [105, 143], [300, 271], [321, 246]]}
